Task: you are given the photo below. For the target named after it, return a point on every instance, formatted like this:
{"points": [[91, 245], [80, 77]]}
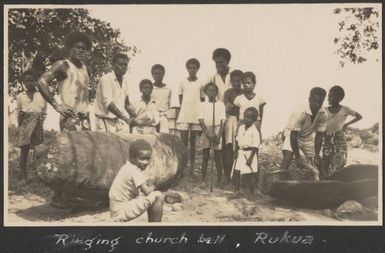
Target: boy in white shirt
{"points": [[248, 144], [145, 111], [212, 130], [190, 95], [161, 94], [111, 104], [126, 202], [31, 108]]}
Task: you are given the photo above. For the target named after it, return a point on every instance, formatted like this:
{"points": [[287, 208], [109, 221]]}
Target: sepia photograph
{"points": [[220, 114]]}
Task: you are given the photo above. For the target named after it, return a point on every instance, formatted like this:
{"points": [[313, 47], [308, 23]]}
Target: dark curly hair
{"points": [[250, 75], [318, 91], [210, 84], [137, 146], [236, 72], [222, 52], [143, 82], [339, 91], [254, 112], [119, 56], [72, 38], [29, 72], [158, 66], [193, 61]]}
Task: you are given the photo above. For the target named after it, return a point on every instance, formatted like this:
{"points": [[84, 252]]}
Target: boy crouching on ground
{"points": [[125, 202]]}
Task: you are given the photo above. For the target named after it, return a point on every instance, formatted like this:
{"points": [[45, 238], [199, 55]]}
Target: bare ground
{"points": [[29, 203]]}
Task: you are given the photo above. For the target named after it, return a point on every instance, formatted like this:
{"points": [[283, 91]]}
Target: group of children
{"points": [[224, 112]]}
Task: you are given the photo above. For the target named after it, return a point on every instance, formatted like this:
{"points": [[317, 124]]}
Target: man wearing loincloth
{"points": [[298, 135], [72, 76]]}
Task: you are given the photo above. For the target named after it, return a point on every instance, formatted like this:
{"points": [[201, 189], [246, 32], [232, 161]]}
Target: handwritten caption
{"points": [[150, 238]]}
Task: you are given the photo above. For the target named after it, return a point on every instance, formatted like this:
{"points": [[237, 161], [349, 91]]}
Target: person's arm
{"points": [[156, 118], [129, 108], [205, 130], [261, 107], [221, 130], [319, 137], [222, 116], [114, 109], [203, 126], [178, 109], [169, 99], [20, 113], [147, 189], [295, 148], [357, 117], [107, 99], [57, 71], [250, 159], [226, 99]]}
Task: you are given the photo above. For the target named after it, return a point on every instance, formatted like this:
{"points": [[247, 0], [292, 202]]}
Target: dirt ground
{"points": [[29, 203]]}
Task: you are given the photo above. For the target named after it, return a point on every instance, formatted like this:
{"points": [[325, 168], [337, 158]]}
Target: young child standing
{"points": [[145, 111], [125, 201], [31, 109], [190, 95], [335, 128], [247, 159], [162, 97], [231, 125], [212, 130], [249, 98]]}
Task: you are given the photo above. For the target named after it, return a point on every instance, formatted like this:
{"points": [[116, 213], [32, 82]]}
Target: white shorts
{"points": [[241, 165], [129, 210], [109, 126], [205, 142], [306, 145]]}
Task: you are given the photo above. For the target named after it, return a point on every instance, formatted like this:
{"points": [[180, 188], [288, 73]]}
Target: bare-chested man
{"points": [[73, 82]]}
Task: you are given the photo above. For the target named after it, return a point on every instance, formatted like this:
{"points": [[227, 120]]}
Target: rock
{"points": [[370, 203], [172, 197], [84, 163], [355, 141], [350, 207], [177, 207], [328, 212]]}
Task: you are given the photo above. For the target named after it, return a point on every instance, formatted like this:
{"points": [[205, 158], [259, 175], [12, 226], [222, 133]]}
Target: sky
{"points": [[288, 46]]}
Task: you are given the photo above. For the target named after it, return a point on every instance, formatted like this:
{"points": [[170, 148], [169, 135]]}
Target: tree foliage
{"points": [[358, 34], [36, 40]]}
